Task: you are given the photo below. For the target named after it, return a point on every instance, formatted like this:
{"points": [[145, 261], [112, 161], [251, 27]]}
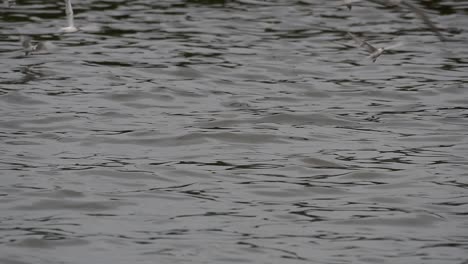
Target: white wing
{"points": [[394, 46], [45, 46], [363, 43], [26, 42], [423, 16], [415, 9], [9, 3], [69, 13]]}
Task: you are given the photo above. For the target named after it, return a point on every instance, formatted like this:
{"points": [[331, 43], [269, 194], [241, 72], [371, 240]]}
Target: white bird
{"points": [[8, 3], [405, 3], [421, 14], [70, 20], [374, 52], [29, 47]]}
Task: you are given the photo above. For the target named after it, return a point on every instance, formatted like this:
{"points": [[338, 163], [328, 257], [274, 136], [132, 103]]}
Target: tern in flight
{"points": [[405, 3], [349, 3], [373, 51], [29, 47], [69, 12], [8, 3]]}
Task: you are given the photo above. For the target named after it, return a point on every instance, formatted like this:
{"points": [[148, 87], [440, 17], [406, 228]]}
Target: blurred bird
{"points": [[8, 3], [29, 47], [420, 13], [349, 3], [404, 3], [374, 52], [70, 20]]}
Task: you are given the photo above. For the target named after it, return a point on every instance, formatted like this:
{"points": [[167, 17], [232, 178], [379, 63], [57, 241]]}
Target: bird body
{"points": [[373, 51], [29, 47], [349, 3], [373, 56]]}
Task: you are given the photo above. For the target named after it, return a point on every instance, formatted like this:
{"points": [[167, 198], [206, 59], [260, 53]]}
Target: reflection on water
{"points": [[233, 131]]}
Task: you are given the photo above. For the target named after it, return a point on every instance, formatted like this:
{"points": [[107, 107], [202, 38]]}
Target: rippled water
{"points": [[210, 131]]}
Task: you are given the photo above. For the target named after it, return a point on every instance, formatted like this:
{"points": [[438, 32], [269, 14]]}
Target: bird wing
{"points": [[41, 46], [363, 43], [69, 13], [349, 3], [46, 46], [26, 42], [422, 15], [415, 9], [394, 46], [373, 56]]}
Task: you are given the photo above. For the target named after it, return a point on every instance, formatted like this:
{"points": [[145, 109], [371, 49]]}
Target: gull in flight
{"points": [[29, 47], [69, 12], [406, 3], [421, 14], [8, 3], [349, 3], [373, 51]]}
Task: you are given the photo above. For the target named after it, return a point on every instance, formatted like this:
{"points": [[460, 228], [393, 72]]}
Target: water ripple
{"points": [[214, 131]]}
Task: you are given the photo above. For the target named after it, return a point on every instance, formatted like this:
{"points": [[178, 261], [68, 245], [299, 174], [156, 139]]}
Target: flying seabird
{"points": [[349, 3], [70, 20], [373, 51], [405, 3], [29, 47]]}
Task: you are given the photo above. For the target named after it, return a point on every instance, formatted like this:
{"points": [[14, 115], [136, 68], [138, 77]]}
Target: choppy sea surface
{"points": [[247, 131]]}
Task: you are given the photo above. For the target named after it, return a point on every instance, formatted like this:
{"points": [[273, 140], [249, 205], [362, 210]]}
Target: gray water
{"points": [[210, 131]]}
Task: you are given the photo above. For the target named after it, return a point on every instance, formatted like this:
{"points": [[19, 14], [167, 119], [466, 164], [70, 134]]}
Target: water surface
{"points": [[210, 131]]}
